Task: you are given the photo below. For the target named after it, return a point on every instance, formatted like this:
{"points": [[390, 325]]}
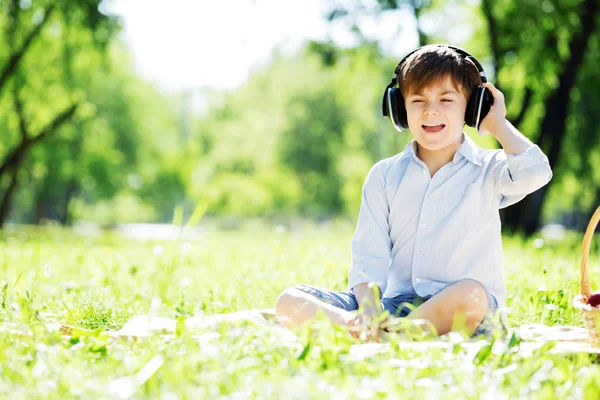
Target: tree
{"points": [[560, 40], [40, 29], [311, 145]]}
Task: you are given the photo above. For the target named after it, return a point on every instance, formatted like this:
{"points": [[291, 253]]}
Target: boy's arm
{"points": [[524, 168], [371, 243], [369, 298]]}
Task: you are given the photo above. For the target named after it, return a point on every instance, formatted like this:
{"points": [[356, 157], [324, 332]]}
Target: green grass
{"points": [[52, 275]]}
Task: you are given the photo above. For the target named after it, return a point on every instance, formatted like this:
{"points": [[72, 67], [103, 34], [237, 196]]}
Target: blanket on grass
{"points": [[567, 339]]}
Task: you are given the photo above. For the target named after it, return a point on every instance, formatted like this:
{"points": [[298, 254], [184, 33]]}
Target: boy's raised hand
{"points": [[496, 118]]}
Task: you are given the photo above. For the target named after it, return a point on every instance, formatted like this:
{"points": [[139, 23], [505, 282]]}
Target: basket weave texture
{"points": [[591, 315]]}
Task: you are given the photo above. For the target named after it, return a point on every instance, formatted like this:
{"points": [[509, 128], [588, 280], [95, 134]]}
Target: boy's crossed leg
{"points": [[462, 306], [295, 306]]}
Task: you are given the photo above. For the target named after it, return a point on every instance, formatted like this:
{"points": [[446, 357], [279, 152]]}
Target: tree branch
{"points": [[56, 123], [14, 10], [21, 114], [15, 156], [16, 57]]}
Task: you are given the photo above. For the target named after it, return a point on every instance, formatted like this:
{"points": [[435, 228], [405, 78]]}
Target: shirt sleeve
{"points": [[371, 243], [517, 175]]}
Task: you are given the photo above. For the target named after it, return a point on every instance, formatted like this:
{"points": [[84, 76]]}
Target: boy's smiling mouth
{"points": [[432, 128]]}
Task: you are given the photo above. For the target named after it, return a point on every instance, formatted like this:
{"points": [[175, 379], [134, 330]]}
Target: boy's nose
{"points": [[431, 109]]}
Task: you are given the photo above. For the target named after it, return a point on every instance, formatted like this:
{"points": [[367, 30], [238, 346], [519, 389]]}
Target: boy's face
{"points": [[436, 116]]}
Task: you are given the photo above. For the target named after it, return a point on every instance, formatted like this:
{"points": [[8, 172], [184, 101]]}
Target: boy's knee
{"points": [[475, 300], [288, 307], [287, 299]]}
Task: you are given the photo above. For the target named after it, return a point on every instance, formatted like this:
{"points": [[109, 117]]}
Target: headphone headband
{"points": [[462, 52]]}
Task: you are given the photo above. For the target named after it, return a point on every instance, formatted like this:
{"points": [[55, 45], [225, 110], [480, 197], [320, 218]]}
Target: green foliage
{"points": [[299, 136], [315, 132], [243, 195], [311, 144], [109, 151], [124, 207]]}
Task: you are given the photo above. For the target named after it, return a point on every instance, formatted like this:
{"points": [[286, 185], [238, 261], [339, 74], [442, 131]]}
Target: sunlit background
{"points": [[118, 112], [166, 162], [189, 44]]}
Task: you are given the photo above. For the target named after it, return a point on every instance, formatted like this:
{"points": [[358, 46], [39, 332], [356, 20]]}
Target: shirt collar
{"points": [[468, 149]]}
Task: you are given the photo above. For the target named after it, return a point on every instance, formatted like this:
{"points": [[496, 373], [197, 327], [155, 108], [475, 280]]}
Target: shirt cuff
{"points": [[521, 174], [364, 274], [530, 157]]}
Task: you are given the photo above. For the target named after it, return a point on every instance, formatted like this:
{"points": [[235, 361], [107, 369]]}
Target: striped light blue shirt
{"points": [[425, 232]]}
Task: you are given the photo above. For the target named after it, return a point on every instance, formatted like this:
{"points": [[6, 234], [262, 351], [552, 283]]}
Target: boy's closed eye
{"points": [[443, 100]]}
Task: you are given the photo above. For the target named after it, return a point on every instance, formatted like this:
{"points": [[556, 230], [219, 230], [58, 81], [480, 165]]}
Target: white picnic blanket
{"points": [[568, 339], [205, 329]]}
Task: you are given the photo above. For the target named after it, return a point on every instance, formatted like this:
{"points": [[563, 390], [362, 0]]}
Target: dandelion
{"points": [[68, 286], [158, 250], [185, 281], [47, 268], [185, 247], [538, 243]]}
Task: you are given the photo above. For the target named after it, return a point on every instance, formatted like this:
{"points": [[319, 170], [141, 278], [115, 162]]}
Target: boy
{"points": [[429, 230]]}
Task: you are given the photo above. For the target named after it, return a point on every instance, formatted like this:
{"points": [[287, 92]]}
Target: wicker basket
{"points": [[591, 315]]}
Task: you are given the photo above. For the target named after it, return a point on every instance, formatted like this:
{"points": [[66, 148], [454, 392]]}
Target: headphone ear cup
{"points": [[472, 105], [478, 106], [486, 105], [400, 109], [397, 110]]}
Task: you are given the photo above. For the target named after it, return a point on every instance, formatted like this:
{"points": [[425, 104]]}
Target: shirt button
{"points": [[424, 172], [428, 199], [418, 280], [424, 226], [419, 254]]}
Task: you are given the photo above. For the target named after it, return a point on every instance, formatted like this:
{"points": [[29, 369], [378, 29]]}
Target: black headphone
{"points": [[478, 106]]}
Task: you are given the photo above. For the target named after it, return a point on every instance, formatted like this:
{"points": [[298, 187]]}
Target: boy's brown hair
{"points": [[432, 64]]}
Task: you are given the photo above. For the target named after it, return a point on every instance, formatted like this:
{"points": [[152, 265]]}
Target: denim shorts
{"points": [[403, 304]]}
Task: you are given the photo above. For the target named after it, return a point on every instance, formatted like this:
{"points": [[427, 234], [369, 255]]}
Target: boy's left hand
{"points": [[496, 118], [367, 327]]}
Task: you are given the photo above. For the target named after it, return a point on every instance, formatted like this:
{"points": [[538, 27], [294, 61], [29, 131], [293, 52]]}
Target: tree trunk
{"points": [[417, 11], [11, 167], [5, 203], [65, 218], [525, 215], [14, 159]]}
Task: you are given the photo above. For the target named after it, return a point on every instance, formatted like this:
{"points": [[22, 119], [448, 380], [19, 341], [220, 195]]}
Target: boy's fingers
{"points": [[493, 90]]}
